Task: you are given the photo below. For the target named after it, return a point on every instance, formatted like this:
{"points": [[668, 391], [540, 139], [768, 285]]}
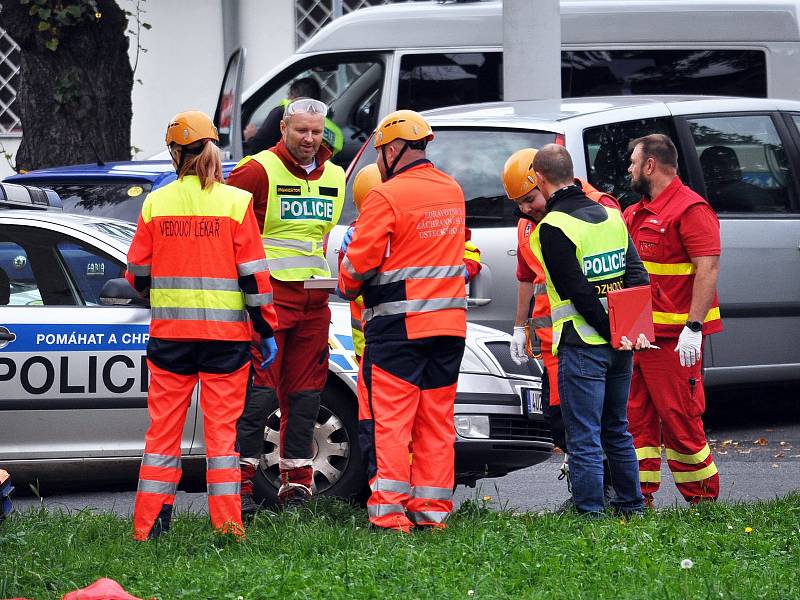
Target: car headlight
{"points": [[472, 363], [472, 426]]}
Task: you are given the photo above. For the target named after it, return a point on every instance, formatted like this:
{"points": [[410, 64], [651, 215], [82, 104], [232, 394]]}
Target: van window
{"points": [[435, 80], [475, 158], [607, 156], [631, 72], [744, 164], [349, 86]]}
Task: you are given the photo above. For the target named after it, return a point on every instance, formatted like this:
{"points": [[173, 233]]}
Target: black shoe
{"points": [[162, 523], [294, 498], [249, 506]]}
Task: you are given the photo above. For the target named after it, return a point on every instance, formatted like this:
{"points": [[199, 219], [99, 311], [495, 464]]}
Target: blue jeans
{"points": [[594, 383]]}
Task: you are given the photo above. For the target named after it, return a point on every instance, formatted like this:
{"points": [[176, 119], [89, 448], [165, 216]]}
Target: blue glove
{"points": [[348, 237], [269, 350]]}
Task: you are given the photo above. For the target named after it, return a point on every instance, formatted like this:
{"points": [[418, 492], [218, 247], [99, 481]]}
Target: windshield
{"points": [[474, 157], [118, 199]]}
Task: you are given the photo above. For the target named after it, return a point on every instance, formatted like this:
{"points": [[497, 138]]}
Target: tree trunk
{"points": [[74, 101]]}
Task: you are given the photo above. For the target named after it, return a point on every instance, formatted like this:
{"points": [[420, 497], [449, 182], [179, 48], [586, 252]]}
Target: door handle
{"points": [[473, 302]]}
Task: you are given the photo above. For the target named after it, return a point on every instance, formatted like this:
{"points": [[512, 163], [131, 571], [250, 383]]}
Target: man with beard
{"points": [[677, 235]]}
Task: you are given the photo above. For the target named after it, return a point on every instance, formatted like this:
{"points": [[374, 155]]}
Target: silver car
{"points": [[73, 374], [742, 154]]}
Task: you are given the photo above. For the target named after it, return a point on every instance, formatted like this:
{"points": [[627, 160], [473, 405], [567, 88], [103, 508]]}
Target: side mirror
{"points": [[118, 292]]}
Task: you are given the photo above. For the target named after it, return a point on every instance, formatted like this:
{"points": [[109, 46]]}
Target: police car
{"points": [[73, 375]]}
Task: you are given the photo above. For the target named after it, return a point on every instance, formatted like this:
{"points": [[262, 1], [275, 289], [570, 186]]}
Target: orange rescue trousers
{"points": [[169, 396], [407, 389]]}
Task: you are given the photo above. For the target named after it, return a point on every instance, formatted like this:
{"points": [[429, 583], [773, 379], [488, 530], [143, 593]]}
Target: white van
{"points": [[424, 55]]}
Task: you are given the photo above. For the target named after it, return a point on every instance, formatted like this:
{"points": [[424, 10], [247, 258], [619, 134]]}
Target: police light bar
{"points": [[24, 196]]}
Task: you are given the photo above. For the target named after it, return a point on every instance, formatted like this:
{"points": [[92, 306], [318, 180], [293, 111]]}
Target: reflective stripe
{"points": [[231, 488], [216, 284], [568, 310], [294, 463], [431, 493], [690, 476], [648, 452], [356, 324], [198, 314], [290, 244], [418, 273], [222, 462], [429, 516], [539, 289], [381, 510], [390, 485], [351, 270], [150, 486], [585, 330], [665, 318], [258, 299], [689, 459], [161, 460], [541, 322], [254, 266], [413, 306], [650, 476], [297, 262], [655, 268], [141, 270]]}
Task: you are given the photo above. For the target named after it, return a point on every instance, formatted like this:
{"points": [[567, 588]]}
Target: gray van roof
{"points": [[410, 25]]}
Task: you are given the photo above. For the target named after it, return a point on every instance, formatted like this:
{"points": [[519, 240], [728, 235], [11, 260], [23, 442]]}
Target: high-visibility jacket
{"points": [[407, 257], [600, 249], [299, 214], [656, 232], [194, 245], [332, 134]]}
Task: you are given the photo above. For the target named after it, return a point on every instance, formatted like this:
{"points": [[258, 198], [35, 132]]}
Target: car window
{"points": [[744, 163], [435, 80], [351, 88], [17, 284], [89, 269], [607, 157], [475, 158], [119, 200]]}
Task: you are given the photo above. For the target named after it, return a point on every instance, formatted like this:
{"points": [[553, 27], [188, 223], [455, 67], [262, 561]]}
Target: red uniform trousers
{"points": [[297, 377], [407, 389], [665, 406], [222, 400]]}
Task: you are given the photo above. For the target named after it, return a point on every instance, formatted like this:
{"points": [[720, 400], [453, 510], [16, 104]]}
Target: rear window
{"points": [[118, 200], [475, 158]]}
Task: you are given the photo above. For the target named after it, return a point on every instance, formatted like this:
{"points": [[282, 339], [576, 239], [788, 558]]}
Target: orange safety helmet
{"points": [[366, 179], [406, 125], [189, 127], [518, 175]]}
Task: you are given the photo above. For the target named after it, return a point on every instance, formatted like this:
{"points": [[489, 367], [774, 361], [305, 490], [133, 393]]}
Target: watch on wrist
{"points": [[695, 326]]}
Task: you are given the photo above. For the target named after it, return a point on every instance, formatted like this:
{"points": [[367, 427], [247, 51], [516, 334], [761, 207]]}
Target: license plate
{"points": [[531, 401]]}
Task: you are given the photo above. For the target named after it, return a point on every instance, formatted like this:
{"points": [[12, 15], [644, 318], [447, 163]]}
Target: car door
{"points": [[72, 372], [746, 171]]}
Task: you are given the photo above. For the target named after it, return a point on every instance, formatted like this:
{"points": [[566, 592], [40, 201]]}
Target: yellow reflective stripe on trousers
{"points": [[150, 486], [161, 460], [400, 307], [431, 493], [655, 268], [650, 476], [648, 452], [381, 510], [665, 318], [689, 459], [222, 462], [691, 476], [390, 485], [229, 488], [440, 272], [429, 516]]}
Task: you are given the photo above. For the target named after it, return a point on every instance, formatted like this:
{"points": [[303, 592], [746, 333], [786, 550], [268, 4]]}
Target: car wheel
{"points": [[338, 469]]}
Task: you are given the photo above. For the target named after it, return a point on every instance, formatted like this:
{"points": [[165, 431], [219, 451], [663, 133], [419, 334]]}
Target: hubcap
{"points": [[330, 447]]}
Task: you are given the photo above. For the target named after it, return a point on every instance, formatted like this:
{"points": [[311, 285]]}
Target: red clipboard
{"points": [[630, 313]]}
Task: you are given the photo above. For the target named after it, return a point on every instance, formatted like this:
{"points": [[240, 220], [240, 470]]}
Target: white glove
{"points": [[518, 354], [688, 347]]}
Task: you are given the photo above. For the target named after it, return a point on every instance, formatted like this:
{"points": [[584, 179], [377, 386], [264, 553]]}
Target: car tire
{"points": [[338, 467]]}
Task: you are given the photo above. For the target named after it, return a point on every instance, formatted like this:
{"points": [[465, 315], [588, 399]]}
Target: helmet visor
{"points": [[306, 105]]}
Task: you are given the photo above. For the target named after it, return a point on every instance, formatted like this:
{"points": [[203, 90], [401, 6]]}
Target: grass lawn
{"points": [[326, 551]]}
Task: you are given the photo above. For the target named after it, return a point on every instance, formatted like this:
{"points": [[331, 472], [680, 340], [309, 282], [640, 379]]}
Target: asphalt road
{"points": [[754, 435]]}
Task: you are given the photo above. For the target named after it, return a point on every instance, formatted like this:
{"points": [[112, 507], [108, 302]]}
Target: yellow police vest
{"points": [[600, 249], [299, 214]]}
